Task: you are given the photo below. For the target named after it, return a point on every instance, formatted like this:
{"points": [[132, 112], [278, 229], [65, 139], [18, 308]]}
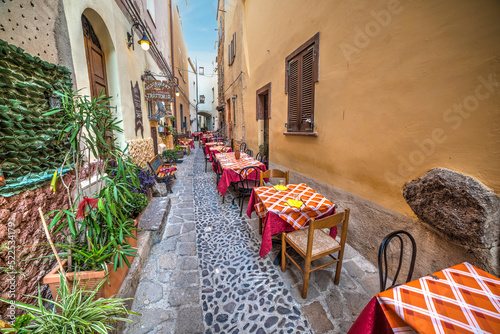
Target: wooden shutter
{"points": [[307, 85], [294, 94]]}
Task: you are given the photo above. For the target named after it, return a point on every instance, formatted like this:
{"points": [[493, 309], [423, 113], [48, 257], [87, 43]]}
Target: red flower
{"points": [[83, 206]]}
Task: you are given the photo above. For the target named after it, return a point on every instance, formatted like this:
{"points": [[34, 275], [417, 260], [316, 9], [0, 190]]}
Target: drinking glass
{"points": [[282, 182]]}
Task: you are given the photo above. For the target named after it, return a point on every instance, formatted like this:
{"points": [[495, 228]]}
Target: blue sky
{"points": [[198, 25]]}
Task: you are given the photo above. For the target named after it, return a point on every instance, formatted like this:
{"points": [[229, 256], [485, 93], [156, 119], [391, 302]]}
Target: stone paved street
{"points": [[205, 274]]}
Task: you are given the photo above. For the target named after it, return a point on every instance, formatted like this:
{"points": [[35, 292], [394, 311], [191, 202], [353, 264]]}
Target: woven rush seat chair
{"points": [[312, 243], [274, 173], [163, 172]]}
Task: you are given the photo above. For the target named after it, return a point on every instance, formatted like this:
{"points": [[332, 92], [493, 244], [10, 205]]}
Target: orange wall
{"points": [[392, 77]]}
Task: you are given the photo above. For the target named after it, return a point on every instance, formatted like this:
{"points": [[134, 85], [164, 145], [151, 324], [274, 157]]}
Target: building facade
{"points": [[359, 99]]}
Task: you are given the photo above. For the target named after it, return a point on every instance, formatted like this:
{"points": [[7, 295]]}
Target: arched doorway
{"points": [[96, 63]]}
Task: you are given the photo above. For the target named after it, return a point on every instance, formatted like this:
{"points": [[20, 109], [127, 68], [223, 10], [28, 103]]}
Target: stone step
{"points": [[153, 219]]}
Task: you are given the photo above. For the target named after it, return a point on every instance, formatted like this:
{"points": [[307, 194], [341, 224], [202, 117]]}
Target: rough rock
{"points": [[456, 205]]}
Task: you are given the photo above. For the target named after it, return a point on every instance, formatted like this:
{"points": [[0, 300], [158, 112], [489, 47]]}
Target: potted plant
{"points": [[73, 310], [179, 151], [99, 234], [169, 156]]}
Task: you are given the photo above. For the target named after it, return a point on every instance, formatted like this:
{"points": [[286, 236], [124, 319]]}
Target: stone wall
{"points": [[141, 151], [30, 240], [370, 223]]}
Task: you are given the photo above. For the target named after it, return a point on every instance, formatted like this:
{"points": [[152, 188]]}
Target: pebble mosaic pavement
{"points": [[205, 275]]}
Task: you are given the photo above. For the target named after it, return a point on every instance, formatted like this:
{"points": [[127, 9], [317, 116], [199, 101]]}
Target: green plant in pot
{"points": [[99, 232], [74, 310], [169, 156]]}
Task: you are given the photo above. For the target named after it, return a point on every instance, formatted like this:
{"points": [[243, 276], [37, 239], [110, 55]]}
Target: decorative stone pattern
{"points": [[141, 151], [30, 240], [30, 150], [456, 205]]}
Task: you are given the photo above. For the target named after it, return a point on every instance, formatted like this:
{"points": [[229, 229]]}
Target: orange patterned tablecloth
{"points": [[460, 299], [272, 200], [187, 142]]}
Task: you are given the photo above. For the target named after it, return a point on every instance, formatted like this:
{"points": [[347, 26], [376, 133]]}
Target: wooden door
{"points": [[155, 140], [96, 63], [266, 125]]}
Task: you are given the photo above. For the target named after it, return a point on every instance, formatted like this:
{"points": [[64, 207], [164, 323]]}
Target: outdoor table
{"points": [[231, 168], [186, 142], [214, 149], [208, 145], [459, 299], [270, 205]]}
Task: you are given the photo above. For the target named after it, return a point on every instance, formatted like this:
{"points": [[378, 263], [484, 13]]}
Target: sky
{"points": [[198, 25]]}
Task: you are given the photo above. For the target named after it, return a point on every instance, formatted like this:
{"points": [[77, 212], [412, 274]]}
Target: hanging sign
{"points": [[2, 177], [136, 96], [157, 90]]}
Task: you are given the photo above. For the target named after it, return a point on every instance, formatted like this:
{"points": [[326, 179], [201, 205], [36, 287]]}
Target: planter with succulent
{"points": [[73, 310], [99, 231]]}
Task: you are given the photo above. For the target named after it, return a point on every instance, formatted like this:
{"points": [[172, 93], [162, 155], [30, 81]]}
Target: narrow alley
{"points": [[206, 275]]}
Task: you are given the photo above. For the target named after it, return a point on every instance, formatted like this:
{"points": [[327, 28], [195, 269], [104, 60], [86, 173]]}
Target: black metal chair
{"points": [[259, 157], [382, 258], [249, 152], [246, 185], [207, 159], [218, 171], [243, 147]]}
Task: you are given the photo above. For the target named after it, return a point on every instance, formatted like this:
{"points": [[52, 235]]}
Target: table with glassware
{"points": [[459, 299], [208, 145], [232, 166], [285, 208]]}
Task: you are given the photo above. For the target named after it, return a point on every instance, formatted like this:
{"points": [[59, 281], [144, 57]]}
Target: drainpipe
{"points": [[172, 56], [197, 97]]}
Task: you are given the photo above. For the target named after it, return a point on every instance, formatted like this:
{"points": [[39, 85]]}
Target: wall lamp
{"points": [[144, 41], [234, 98], [177, 92]]}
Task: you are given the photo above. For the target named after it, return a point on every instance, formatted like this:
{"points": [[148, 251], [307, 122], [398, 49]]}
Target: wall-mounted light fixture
{"points": [[177, 92], [144, 41], [234, 98]]}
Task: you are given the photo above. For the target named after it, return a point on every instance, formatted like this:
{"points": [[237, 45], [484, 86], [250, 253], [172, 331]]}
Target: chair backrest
{"points": [[243, 147], [155, 163], [329, 222], [246, 182], [218, 167], [259, 157], [249, 152], [274, 173], [382, 258]]}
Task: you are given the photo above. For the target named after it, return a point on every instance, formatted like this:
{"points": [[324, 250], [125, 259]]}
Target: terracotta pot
{"points": [[89, 279], [237, 155]]}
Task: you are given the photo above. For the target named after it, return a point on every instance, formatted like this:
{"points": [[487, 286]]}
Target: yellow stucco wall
{"points": [[404, 87]]}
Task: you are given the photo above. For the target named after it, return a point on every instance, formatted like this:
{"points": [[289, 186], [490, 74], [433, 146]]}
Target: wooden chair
{"points": [[382, 258], [156, 164], [312, 243], [273, 173], [246, 185]]}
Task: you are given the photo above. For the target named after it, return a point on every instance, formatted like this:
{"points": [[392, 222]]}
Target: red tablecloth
{"points": [[273, 224], [459, 299], [208, 145], [231, 168]]}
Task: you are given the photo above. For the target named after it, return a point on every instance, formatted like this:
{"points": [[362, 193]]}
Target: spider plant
{"points": [[74, 310]]}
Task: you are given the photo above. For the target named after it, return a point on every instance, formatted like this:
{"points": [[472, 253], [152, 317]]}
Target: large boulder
{"points": [[457, 205]]}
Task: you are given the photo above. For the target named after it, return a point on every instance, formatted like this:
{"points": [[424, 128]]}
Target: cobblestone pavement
{"points": [[205, 275]]}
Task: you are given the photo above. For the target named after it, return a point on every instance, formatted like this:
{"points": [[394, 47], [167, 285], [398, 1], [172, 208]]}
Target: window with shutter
{"points": [[301, 75]]}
